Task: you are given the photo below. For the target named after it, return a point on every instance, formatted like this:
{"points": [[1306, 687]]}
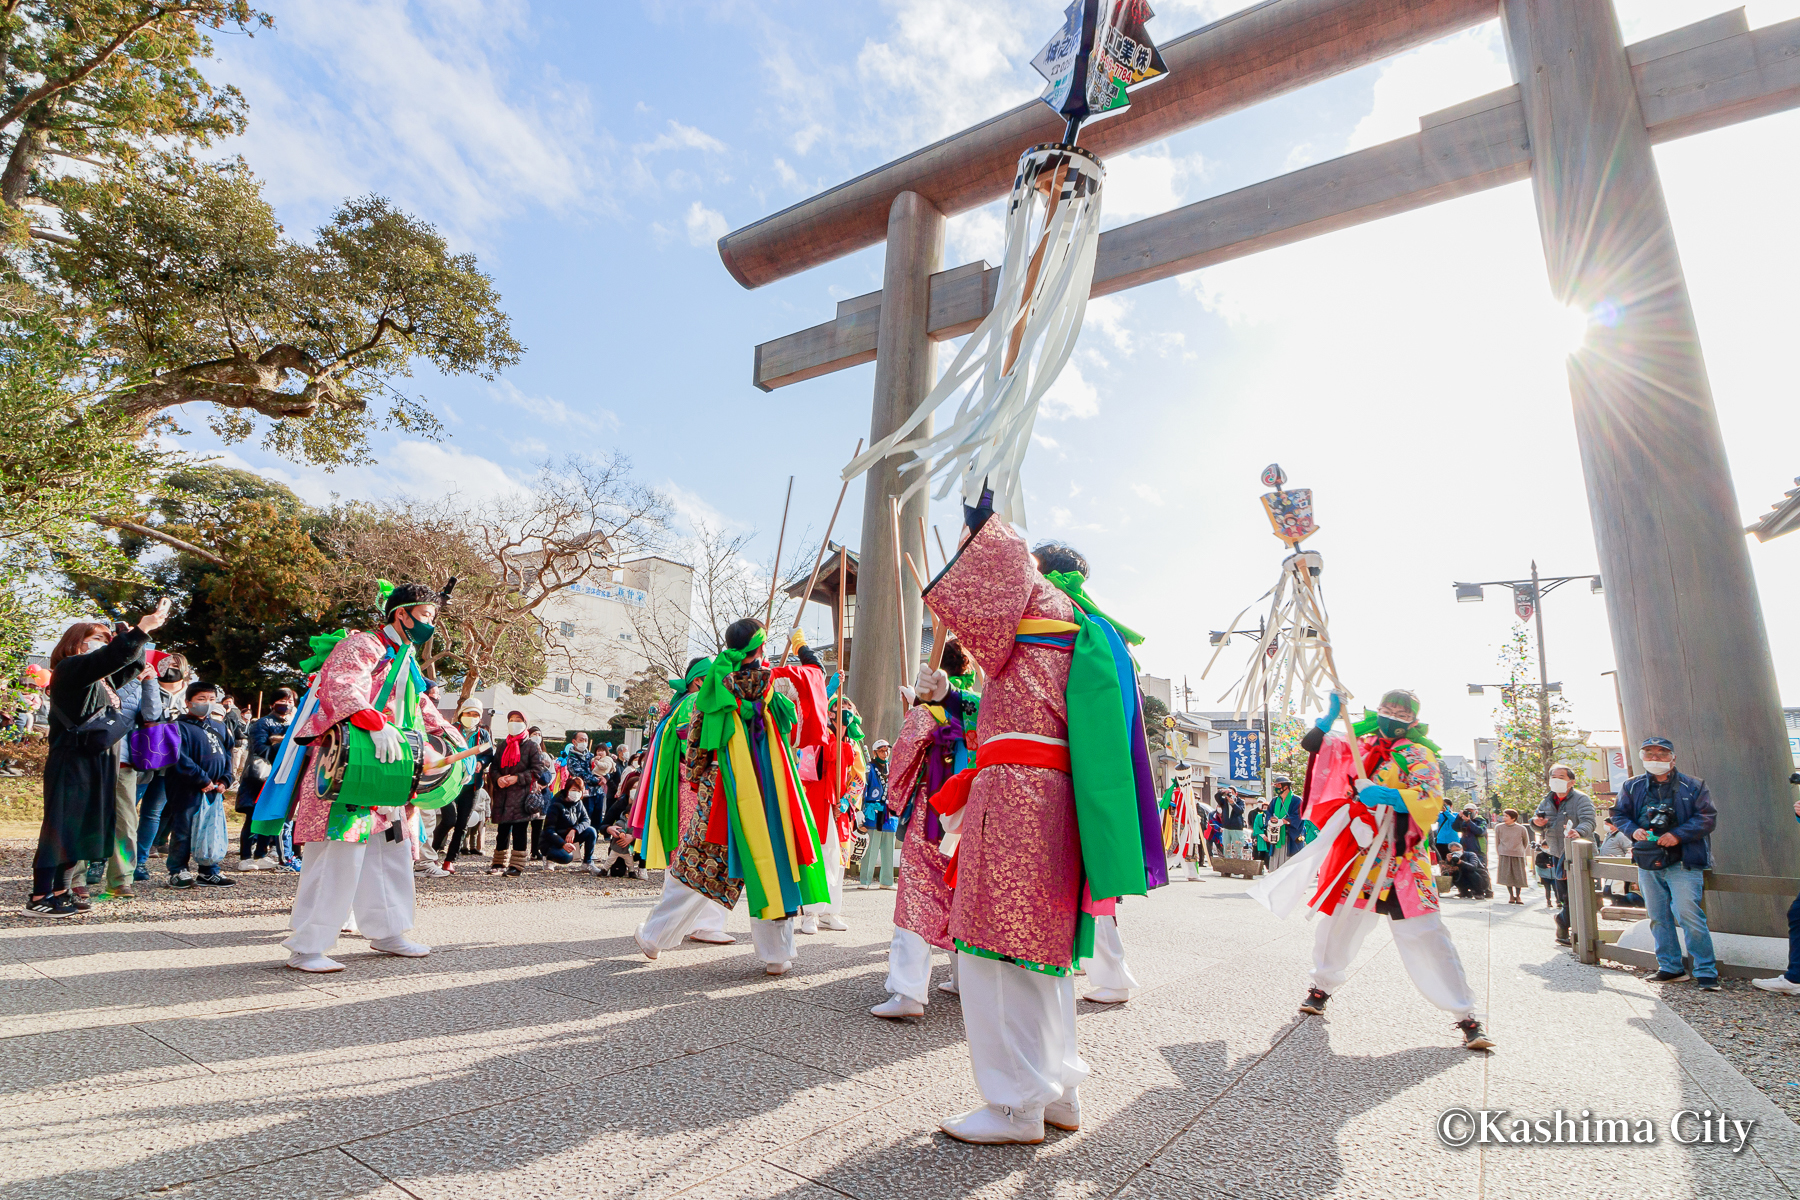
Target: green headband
{"points": [[697, 671], [717, 702]]}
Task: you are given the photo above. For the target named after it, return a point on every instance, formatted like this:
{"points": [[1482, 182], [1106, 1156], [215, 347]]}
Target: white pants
{"points": [[774, 940], [833, 851], [1107, 969], [680, 911], [1426, 952], [1021, 1030], [374, 880], [909, 966]]}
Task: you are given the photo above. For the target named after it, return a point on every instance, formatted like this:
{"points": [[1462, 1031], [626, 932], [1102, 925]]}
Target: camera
{"points": [[1794, 778]]}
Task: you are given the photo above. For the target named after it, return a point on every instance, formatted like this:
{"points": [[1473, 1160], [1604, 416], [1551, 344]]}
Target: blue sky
{"points": [[1409, 371]]}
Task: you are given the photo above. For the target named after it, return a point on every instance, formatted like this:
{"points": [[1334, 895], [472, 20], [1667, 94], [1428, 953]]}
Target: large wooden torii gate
{"points": [[1686, 624]]}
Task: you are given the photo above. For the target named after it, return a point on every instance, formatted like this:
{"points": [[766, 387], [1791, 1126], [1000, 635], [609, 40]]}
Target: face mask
{"points": [[281, 710], [1391, 727], [1658, 768], [421, 632], [1560, 786], [515, 728], [91, 645], [469, 720], [201, 708], [581, 747]]}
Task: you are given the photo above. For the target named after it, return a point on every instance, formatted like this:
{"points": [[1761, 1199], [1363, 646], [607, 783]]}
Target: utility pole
{"points": [[1537, 612]]}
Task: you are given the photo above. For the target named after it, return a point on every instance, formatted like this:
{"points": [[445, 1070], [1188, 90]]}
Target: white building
{"points": [[582, 689]]}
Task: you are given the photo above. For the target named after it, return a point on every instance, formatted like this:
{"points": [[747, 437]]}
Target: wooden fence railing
{"points": [[1585, 871]]}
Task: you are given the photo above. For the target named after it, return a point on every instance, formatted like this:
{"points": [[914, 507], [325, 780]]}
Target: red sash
{"points": [[999, 752]]}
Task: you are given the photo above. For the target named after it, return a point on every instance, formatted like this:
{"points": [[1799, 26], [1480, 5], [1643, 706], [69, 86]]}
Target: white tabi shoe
{"points": [[780, 968], [897, 1006], [314, 964], [949, 988], [712, 937], [808, 923], [996, 1125], [1108, 996], [400, 947], [832, 922], [644, 944], [1065, 1113]]}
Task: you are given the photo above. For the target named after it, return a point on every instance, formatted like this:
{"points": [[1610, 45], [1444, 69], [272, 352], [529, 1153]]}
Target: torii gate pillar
{"points": [[1687, 629], [905, 370]]}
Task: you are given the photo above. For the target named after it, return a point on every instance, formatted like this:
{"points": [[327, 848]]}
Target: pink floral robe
{"points": [[922, 903], [347, 683], [1019, 884]]}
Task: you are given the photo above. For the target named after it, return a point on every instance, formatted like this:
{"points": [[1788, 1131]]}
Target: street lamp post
{"points": [[1528, 603]]}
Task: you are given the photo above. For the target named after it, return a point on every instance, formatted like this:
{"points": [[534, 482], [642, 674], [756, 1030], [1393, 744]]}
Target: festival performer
{"points": [[1371, 857], [753, 831], [1184, 825], [662, 813], [359, 855], [934, 745], [1059, 810], [1108, 972], [839, 754]]}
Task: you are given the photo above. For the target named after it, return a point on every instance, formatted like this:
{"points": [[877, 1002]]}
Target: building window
{"points": [[590, 687], [567, 628], [612, 691], [624, 635], [562, 685]]}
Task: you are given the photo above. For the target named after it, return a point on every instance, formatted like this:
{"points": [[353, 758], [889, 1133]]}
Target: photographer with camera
{"points": [[1670, 817]]}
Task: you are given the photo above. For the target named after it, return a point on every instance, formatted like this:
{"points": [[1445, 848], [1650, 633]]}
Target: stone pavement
{"points": [[536, 1054]]}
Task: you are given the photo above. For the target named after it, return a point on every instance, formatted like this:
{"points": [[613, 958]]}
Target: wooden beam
{"points": [[1702, 77], [1265, 50]]}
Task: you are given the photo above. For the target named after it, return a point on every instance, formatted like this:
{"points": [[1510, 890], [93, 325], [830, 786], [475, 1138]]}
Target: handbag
{"points": [[154, 747], [99, 733]]}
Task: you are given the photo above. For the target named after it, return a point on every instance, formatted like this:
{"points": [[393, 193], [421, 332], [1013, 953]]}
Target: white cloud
{"points": [[1148, 181], [1430, 78], [704, 226], [1147, 494], [421, 103], [680, 137], [1108, 314], [551, 411], [1070, 396]]}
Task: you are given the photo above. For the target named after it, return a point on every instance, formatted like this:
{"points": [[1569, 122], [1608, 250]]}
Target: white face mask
{"points": [[581, 747], [1560, 786], [469, 720], [515, 728], [1658, 768], [92, 644]]}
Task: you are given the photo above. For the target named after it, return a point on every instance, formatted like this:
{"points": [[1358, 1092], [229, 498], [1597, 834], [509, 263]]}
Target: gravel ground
{"points": [[272, 892], [1757, 1032]]}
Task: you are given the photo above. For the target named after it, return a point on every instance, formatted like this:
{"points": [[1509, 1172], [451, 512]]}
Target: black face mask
{"points": [[280, 710]]}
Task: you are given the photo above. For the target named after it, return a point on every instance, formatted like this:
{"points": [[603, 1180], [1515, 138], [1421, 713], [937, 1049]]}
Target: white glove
{"points": [[387, 744], [1361, 784], [952, 826], [933, 685], [1363, 832], [907, 694]]}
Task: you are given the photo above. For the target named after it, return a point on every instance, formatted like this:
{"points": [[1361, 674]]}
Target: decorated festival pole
{"points": [[780, 538]]}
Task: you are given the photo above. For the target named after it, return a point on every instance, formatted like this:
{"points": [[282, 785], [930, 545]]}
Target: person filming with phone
{"points": [[1669, 818]]}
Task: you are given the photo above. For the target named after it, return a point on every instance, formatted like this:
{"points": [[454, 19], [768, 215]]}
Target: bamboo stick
{"points": [[818, 559], [775, 573]]}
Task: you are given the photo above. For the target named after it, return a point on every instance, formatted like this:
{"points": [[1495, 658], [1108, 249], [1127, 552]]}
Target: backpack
{"points": [[154, 747]]}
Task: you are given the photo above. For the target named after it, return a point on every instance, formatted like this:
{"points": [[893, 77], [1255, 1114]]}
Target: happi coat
{"points": [[924, 756], [1019, 870], [347, 683]]}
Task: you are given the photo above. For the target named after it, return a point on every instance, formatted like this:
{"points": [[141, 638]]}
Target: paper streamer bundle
{"points": [[1018, 350]]}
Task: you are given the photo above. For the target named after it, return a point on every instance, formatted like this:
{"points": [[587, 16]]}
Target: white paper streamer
{"points": [[1020, 347]]}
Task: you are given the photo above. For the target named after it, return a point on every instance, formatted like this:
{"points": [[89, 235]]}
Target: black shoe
{"points": [[79, 898], [1314, 1002], [1562, 939], [1707, 985], [1473, 1038], [59, 905], [514, 871], [179, 882], [214, 880], [1668, 977]]}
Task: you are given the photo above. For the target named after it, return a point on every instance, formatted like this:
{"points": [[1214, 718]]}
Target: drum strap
{"points": [[400, 661]]}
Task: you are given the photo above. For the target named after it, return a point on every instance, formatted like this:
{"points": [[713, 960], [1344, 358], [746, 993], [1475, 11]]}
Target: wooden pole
{"points": [[942, 553], [843, 611], [904, 372], [775, 572], [899, 587], [1680, 597], [1584, 908], [813, 580]]}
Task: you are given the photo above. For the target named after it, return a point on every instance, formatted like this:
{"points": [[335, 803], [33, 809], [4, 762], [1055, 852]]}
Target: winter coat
{"points": [[144, 699], [78, 788], [565, 816], [205, 759], [533, 770], [265, 739], [1695, 815]]}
